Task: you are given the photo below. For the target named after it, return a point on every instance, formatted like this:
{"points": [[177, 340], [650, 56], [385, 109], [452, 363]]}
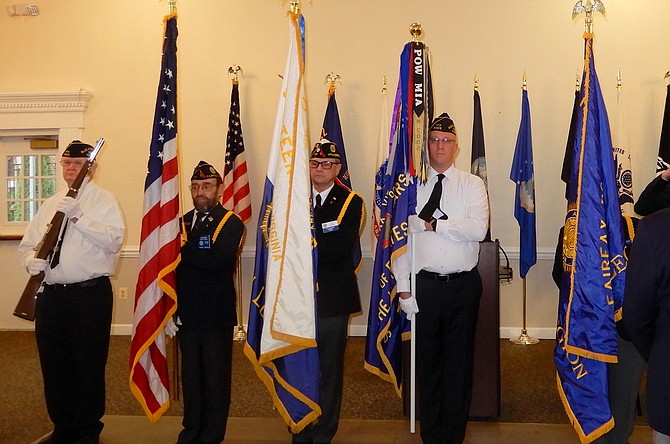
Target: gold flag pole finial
{"points": [[476, 82], [295, 7], [331, 78], [384, 84], [172, 6], [524, 85], [416, 31], [588, 7], [233, 73], [618, 80]]}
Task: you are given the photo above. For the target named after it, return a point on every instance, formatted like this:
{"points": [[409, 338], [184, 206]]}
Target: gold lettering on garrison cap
{"points": [[325, 149], [204, 171], [443, 123], [77, 148]]}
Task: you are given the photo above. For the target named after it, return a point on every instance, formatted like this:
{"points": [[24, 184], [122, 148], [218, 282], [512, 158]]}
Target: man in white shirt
{"points": [[452, 219], [73, 314]]}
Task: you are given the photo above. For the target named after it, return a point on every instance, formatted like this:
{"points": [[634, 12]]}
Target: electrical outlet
{"points": [[123, 292]]}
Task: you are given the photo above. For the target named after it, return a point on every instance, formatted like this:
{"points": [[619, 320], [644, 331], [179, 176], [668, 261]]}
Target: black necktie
{"points": [[55, 259], [433, 201], [318, 202], [198, 220]]}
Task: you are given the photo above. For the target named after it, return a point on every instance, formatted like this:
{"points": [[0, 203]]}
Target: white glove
{"points": [[70, 207], [35, 266], [409, 306], [171, 328]]}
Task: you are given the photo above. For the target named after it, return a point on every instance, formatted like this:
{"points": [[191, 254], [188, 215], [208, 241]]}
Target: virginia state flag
{"points": [[281, 339], [396, 198], [524, 202], [593, 267], [332, 130]]}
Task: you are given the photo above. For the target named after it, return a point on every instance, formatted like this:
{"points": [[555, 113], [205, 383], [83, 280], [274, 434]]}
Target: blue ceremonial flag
{"points": [[524, 202], [593, 267], [281, 339], [332, 130], [395, 197]]}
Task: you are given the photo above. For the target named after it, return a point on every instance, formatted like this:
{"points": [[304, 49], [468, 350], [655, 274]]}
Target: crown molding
{"points": [[31, 102]]}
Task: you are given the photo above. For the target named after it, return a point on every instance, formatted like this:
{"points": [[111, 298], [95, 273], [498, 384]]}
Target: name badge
{"points": [[327, 227], [204, 242]]}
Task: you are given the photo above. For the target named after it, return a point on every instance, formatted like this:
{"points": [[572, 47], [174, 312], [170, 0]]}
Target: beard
{"points": [[204, 204]]}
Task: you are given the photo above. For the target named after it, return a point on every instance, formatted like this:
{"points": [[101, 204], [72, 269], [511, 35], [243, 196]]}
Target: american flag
{"points": [[235, 179], [155, 293]]}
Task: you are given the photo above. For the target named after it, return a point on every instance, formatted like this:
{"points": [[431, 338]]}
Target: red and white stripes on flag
{"points": [[236, 195], [155, 293]]}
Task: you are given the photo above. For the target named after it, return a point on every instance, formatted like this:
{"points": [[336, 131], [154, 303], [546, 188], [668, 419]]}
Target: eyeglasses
{"points": [[437, 140], [204, 187], [326, 164], [67, 162]]}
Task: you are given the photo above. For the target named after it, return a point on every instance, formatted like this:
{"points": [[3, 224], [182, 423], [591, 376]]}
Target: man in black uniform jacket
{"points": [[339, 216], [655, 196], [206, 308]]}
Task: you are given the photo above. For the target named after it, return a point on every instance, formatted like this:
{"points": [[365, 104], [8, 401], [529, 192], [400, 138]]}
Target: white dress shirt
{"points": [[91, 247], [454, 245]]}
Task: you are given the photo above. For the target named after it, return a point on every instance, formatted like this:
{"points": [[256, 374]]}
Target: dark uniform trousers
{"points": [[331, 340], [72, 327], [206, 377], [445, 330]]}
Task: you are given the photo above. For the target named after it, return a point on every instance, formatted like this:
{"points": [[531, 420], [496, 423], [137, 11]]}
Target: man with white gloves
{"points": [[73, 314], [452, 220]]}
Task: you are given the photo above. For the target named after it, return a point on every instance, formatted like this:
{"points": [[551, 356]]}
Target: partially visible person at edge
{"points": [[206, 308], [73, 314], [623, 377], [452, 220], [655, 196], [646, 314], [339, 217]]}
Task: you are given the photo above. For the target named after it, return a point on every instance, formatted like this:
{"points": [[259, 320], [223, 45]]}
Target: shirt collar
{"points": [[324, 193]]}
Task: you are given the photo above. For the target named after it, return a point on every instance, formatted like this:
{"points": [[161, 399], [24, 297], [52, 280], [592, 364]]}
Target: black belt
{"points": [[83, 284], [441, 277]]}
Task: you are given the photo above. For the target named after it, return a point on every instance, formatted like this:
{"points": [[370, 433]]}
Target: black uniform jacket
{"points": [[655, 196], [338, 224], [205, 286], [646, 311]]}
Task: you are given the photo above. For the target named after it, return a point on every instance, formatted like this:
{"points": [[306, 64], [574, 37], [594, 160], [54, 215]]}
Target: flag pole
{"points": [[416, 31], [239, 335], [172, 10], [524, 338]]}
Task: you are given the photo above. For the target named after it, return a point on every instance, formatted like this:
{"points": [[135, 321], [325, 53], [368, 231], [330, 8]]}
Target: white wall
{"points": [[113, 49]]}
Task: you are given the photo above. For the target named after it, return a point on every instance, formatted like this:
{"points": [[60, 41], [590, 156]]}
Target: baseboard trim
{"points": [[361, 330]]}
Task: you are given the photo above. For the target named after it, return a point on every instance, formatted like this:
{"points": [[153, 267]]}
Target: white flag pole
{"points": [[412, 342]]}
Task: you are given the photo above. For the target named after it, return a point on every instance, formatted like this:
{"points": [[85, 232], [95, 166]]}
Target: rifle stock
{"points": [[25, 308]]}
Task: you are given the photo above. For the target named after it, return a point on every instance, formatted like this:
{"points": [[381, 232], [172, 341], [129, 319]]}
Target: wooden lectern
{"points": [[486, 369]]}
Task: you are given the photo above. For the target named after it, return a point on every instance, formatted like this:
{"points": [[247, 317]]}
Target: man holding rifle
{"points": [[73, 313]]}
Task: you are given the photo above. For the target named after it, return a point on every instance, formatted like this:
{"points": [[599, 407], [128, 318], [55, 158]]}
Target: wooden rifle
{"points": [[25, 308]]}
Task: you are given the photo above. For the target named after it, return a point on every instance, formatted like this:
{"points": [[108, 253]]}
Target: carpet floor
{"points": [[528, 387]]}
